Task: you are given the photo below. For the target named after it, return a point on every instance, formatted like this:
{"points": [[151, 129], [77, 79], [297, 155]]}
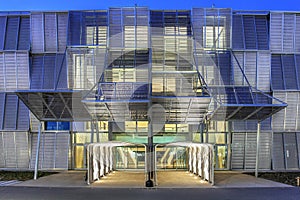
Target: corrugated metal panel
{"points": [[37, 32], [12, 30], [50, 32], [54, 149], [10, 116], [237, 32], [276, 33], [288, 32], [250, 150], [24, 34], [238, 150], [22, 65], [276, 73], [62, 27], [278, 152], [2, 31], [250, 67], [290, 148], [278, 118], [263, 71]]}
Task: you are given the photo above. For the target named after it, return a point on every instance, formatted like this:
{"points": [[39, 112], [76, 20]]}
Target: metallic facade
{"points": [[206, 75]]}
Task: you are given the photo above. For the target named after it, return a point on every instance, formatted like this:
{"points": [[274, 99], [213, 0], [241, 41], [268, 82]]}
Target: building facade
{"points": [[205, 75]]}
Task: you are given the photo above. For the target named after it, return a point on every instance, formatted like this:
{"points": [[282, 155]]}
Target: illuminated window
{"points": [[123, 75], [182, 128], [96, 35], [214, 36], [130, 126], [84, 71], [142, 126], [170, 127]]}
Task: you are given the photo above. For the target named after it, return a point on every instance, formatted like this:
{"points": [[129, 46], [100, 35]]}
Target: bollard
{"points": [[298, 181]]}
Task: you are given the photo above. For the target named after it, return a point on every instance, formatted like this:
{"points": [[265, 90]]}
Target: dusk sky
{"points": [[24, 5]]}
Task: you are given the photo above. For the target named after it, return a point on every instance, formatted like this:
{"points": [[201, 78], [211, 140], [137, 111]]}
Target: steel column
{"points": [[257, 149], [37, 152]]}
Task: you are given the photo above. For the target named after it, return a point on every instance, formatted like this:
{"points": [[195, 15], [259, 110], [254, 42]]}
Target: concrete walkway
{"points": [[165, 179]]}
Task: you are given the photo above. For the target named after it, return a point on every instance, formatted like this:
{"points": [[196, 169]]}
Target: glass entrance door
{"points": [[221, 157]]}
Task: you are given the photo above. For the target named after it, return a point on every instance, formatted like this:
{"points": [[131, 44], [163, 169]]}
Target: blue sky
{"points": [[20, 5]]}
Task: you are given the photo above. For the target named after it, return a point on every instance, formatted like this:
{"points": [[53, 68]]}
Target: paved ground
{"points": [[130, 185], [165, 179], [88, 193]]}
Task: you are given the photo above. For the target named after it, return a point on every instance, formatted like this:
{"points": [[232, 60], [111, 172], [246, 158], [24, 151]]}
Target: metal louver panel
{"points": [[198, 20], [238, 75], [10, 116], [24, 34], [298, 147], [2, 72], [291, 114], [276, 32], [12, 30], [276, 73], [10, 71], [262, 32], [2, 151], [289, 71], [50, 32], [54, 149], [2, 31], [49, 75], [250, 34], [23, 117], [61, 72], [278, 152], [265, 151], [10, 150], [36, 72], [22, 149], [225, 68], [288, 32], [62, 25], [14, 150], [115, 28], [2, 109], [297, 33], [250, 151], [290, 149], [237, 32], [22, 69], [250, 67], [278, 118], [37, 32], [263, 71], [238, 150]]}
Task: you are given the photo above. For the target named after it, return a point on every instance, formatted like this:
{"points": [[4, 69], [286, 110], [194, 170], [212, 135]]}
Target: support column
{"points": [[37, 152], [257, 149], [149, 153], [92, 131]]}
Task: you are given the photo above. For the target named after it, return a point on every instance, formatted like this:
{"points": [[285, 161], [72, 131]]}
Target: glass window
{"points": [[130, 126], [182, 128], [214, 36], [170, 127], [57, 126], [142, 126]]}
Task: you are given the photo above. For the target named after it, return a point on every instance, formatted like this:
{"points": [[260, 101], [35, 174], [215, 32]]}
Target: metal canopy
{"points": [[242, 103], [175, 109], [55, 105]]}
